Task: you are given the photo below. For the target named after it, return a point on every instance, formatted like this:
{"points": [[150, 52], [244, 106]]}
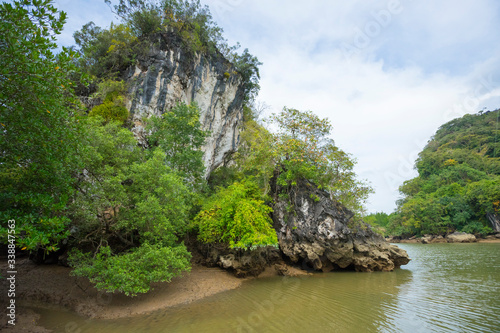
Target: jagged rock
{"points": [[315, 233], [242, 262], [427, 239], [460, 237], [170, 74], [439, 239]]}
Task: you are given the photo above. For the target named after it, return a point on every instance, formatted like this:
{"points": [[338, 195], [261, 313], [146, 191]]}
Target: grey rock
{"points": [[242, 263], [460, 237], [315, 233], [170, 74]]}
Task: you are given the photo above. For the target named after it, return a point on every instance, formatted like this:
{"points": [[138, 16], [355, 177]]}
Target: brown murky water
{"points": [[445, 288]]}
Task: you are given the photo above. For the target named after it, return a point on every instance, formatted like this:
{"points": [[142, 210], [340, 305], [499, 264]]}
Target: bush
{"points": [[132, 272], [237, 216], [111, 110], [113, 107], [476, 227]]}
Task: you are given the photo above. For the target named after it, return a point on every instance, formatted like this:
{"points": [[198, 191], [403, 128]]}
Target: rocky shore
{"points": [[314, 233], [456, 237]]}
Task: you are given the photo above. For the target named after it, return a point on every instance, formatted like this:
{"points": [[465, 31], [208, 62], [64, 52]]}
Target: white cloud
{"points": [[423, 65]]}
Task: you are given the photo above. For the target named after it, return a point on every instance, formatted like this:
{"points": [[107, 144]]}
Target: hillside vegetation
{"points": [[458, 181]]}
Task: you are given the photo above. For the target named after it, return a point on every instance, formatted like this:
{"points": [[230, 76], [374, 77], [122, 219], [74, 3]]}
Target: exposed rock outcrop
{"points": [[170, 74], [241, 262], [314, 232], [460, 237]]}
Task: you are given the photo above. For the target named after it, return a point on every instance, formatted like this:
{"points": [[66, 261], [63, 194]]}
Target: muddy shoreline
{"points": [[52, 285], [49, 286]]}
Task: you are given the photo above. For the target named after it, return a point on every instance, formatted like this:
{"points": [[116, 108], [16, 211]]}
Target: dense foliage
{"points": [[113, 106], [458, 182], [238, 216], [180, 135], [39, 137], [76, 181]]}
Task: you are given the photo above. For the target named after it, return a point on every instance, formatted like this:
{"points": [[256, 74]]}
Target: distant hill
{"points": [[458, 183]]}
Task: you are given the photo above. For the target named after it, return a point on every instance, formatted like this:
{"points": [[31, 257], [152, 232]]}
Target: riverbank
{"points": [[457, 237], [53, 286]]}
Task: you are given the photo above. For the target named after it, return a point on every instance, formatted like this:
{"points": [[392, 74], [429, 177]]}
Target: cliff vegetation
{"points": [[83, 191]]}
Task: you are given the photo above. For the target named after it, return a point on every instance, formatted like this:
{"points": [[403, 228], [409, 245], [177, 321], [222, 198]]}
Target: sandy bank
{"points": [[53, 285]]}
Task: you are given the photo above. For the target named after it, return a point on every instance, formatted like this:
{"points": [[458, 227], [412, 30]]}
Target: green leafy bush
{"points": [[237, 216], [111, 110], [134, 271], [477, 227], [113, 106]]}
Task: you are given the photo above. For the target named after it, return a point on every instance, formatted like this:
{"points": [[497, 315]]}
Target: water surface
{"points": [[445, 288]]}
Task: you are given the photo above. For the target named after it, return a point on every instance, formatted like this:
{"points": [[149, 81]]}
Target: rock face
{"points": [[460, 237], [494, 221], [242, 263], [170, 74], [314, 233]]}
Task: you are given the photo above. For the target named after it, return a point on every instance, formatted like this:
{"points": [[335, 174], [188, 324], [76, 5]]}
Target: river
{"points": [[445, 288]]}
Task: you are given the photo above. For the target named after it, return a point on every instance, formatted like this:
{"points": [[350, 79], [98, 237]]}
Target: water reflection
{"points": [[446, 288]]}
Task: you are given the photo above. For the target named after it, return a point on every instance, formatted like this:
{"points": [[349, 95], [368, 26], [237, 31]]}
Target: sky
{"points": [[386, 73]]}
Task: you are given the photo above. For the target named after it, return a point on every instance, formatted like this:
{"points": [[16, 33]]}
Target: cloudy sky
{"points": [[386, 73]]}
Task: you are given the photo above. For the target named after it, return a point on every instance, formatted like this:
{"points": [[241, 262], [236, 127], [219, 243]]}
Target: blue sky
{"points": [[386, 73]]}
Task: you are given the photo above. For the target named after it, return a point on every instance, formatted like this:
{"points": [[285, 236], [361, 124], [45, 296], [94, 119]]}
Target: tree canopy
{"points": [[39, 138], [458, 182]]}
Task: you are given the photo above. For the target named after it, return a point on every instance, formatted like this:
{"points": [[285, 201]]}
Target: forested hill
{"points": [[458, 183]]}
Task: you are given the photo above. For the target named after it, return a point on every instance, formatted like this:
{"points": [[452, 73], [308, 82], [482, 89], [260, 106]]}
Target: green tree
{"points": [[106, 53], [457, 183], [179, 134], [39, 141], [129, 209], [304, 149]]}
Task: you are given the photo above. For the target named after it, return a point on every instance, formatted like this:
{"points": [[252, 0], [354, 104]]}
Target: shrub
{"points": [[132, 272], [237, 216], [111, 110], [113, 107], [476, 227]]}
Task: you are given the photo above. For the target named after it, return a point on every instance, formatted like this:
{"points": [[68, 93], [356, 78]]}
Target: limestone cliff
{"points": [[169, 73]]}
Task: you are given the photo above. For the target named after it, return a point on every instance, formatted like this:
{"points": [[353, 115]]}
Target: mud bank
{"points": [[52, 285]]}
